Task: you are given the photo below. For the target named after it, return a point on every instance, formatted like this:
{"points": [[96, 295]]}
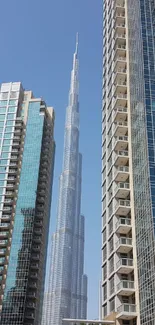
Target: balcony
{"points": [[121, 143], [3, 243], [124, 245], [121, 128], [123, 226], [122, 207], [126, 311], [120, 100], [119, 8], [125, 288], [125, 265], [2, 260], [3, 234], [120, 114], [121, 157], [122, 190], [5, 225], [121, 173], [30, 305], [2, 252], [120, 63]]}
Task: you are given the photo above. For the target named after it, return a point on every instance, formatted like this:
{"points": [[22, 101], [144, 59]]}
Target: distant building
{"points": [[67, 288], [27, 150]]}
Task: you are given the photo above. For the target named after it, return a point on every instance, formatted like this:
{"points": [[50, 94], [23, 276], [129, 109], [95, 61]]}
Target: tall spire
{"points": [[74, 86], [77, 43]]}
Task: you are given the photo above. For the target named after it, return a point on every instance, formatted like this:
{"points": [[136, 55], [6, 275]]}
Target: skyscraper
{"points": [[67, 289], [128, 162], [26, 168]]}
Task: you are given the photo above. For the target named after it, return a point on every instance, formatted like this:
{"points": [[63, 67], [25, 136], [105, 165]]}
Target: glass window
{"points": [[12, 102], [6, 148], [12, 109], [3, 162], [13, 94], [1, 183], [4, 155], [9, 123], [2, 117], [10, 116], [8, 129], [6, 142], [1, 123], [2, 177], [2, 110], [1, 190], [7, 135], [2, 169], [3, 102], [153, 105]]}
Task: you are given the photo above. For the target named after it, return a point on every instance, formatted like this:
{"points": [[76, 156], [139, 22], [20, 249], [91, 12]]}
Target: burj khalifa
{"points": [[67, 288]]}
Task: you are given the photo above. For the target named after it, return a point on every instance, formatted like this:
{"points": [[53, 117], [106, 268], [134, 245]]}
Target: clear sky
{"points": [[37, 45]]}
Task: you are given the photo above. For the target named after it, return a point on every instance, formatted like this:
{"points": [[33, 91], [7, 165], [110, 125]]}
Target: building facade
{"points": [[67, 287], [27, 152], [128, 162]]}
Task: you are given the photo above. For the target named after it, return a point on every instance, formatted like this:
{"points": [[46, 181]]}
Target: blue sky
{"points": [[37, 45]]}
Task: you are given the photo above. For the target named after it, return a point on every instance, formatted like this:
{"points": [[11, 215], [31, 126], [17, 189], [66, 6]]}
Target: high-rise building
{"points": [[67, 288], [128, 162], [26, 167]]}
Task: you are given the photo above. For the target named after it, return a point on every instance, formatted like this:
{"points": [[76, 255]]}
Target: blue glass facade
{"points": [[24, 286], [141, 17]]}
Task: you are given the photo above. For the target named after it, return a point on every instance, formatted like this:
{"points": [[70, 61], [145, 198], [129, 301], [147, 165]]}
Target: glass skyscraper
{"points": [[128, 162], [27, 152], [67, 288]]}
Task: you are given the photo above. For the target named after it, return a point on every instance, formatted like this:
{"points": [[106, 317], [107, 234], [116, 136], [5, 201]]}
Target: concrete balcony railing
{"points": [[124, 265], [123, 225], [126, 311], [122, 190], [122, 207], [124, 245], [125, 284], [121, 143]]}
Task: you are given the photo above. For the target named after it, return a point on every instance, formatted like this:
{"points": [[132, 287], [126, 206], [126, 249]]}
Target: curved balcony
{"points": [[122, 207], [121, 143], [125, 288], [121, 174], [121, 157], [126, 311], [123, 225], [125, 265], [124, 245]]}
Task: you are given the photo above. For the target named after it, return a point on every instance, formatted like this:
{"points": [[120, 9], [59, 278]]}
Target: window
{"points": [[9, 123], [5, 142], [12, 109], [3, 162], [111, 226], [4, 155], [2, 117], [104, 253], [10, 116], [2, 110], [3, 102], [105, 310], [104, 235], [8, 129], [111, 264], [112, 284], [105, 272], [112, 305], [111, 244], [12, 102], [105, 292]]}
